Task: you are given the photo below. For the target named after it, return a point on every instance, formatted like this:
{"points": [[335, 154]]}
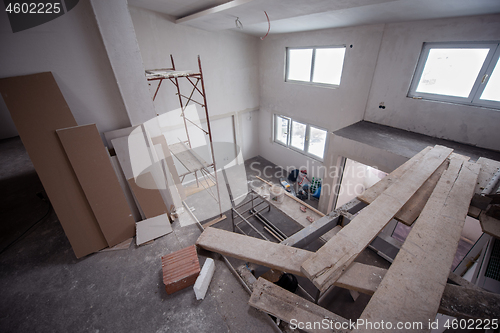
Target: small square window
{"points": [[316, 65]]}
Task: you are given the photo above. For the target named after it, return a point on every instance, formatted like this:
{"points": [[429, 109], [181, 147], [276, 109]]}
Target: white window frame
{"points": [[481, 80], [311, 73], [307, 137]]}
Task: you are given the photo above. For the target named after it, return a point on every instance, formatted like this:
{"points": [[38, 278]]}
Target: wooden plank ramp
{"points": [[295, 310], [333, 258], [412, 287]]}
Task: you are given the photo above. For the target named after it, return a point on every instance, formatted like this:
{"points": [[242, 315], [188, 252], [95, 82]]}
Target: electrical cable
{"points": [[27, 230], [238, 23], [269, 26]]}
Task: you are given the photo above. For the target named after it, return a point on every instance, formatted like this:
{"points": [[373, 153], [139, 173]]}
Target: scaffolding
{"points": [[182, 150]]}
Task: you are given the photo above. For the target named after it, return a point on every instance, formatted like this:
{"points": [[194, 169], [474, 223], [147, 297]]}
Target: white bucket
{"points": [[277, 193]]}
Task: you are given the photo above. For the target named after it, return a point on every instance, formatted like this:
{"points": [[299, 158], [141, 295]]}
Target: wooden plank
{"points": [[490, 225], [295, 310], [289, 195], [329, 262], [89, 159], [214, 221], [467, 303], [323, 227], [38, 109], [374, 191], [282, 257], [412, 287], [358, 277], [149, 198]]}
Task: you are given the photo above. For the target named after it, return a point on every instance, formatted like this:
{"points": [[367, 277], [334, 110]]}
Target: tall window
{"points": [[465, 73], [305, 138], [317, 65]]}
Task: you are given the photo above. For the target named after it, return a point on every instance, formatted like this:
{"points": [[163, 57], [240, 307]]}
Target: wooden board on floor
{"points": [[412, 287], [331, 260], [193, 189], [291, 308], [38, 109], [90, 161], [150, 199]]}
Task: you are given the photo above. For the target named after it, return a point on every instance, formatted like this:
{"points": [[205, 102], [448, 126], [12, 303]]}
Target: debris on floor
{"points": [[203, 281]]}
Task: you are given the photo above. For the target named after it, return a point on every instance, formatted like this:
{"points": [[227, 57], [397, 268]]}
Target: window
{"points": [[317, 65], [464, 73], [305, 138]]}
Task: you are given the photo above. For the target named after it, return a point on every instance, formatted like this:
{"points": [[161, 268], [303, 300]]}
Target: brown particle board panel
{"points": [[38, 109], [149, 199], [90, 161]]}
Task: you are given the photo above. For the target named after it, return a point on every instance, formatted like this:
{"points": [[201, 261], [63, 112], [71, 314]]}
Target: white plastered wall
{"points": [[230, 70], [71, 48], [399, 53], [328, 108]]}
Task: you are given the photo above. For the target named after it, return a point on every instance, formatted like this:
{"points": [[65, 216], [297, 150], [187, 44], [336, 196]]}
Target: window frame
{"points": [[313, 59], [306, 138], [478, 87]]}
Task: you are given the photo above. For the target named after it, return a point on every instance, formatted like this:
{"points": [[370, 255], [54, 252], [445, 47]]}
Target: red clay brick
{"points": [[180, 269]]}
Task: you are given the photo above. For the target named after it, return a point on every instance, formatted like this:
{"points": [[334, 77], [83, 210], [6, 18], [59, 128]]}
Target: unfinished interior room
{"points": [[250, 166]]}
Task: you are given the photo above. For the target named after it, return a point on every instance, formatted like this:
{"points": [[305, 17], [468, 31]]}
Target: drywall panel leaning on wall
{"points": [[38, 109]]}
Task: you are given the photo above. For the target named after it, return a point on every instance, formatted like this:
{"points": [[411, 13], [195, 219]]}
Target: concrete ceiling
{"points": [[302, 15]]}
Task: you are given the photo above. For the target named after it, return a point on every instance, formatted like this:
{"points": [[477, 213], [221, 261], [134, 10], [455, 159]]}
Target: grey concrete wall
{"points": [[72, 49], [329, 108], [398, 57]]}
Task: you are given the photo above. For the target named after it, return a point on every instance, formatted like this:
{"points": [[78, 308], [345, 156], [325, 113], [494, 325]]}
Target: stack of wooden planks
{"points": [[432, 191]]}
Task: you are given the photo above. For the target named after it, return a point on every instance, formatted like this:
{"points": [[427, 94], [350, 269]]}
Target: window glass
{"points": [[281, 130], [328, 63], [451, 72], [317, 140], [492, 90], [298, 135], [299, 64]]}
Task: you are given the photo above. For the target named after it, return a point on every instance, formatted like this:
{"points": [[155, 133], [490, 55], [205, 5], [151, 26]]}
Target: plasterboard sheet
{"points": [[132, 203], [90, 161], [38, 109], [150, 199], [119, 133], [152, 228]]}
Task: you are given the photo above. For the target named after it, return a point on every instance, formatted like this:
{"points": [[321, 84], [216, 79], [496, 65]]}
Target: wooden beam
{"points": [[490, 225], [284, 258], [295, 310], [294, 198], [412, 287], [358, 277], [467, 303], [313, 231], [331, 260]]}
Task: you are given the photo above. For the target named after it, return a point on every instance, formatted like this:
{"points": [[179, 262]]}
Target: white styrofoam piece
{"points": [[203, 281], [152, 228]]}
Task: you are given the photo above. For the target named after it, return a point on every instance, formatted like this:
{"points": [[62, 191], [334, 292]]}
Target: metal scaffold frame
{"points": [[184, 153]]}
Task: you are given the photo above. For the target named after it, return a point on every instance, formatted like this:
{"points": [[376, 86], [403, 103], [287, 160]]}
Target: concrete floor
{"points": [[44, 288]]}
